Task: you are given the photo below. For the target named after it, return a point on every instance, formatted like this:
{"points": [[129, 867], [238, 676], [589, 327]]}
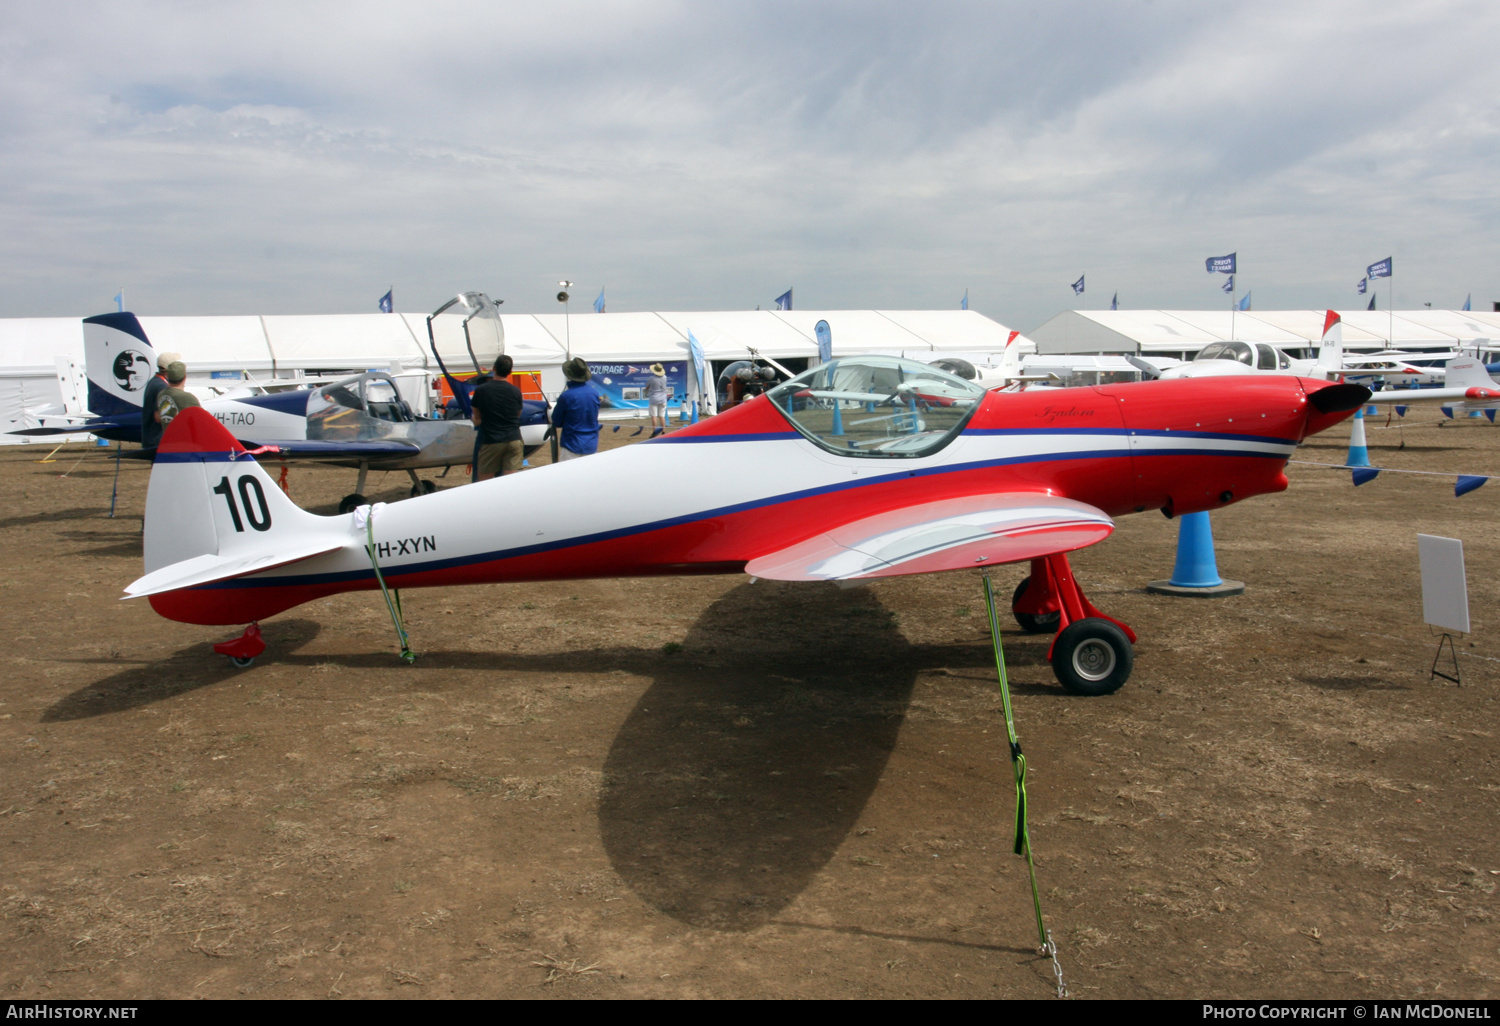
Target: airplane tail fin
{"points": [[118, 361], [1010, 359], [1467, 372], [1331, 351], [213, 514]]}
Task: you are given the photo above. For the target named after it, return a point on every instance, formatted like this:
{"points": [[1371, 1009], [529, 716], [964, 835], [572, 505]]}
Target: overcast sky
{"points": [[303, 157]]}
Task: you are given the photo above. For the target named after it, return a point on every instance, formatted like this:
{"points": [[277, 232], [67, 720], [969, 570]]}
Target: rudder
{"points": [[118, 362]]}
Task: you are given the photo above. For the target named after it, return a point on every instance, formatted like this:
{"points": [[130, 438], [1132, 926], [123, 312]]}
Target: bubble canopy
{"points": [[878, 406]]}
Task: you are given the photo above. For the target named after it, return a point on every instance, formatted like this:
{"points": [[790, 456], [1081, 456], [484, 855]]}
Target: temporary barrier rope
{"points": [[1018, 761], [394, 606], [1388, 470]]}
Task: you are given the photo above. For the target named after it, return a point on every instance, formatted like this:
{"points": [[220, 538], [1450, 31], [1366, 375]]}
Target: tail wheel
{"points": [[425, 488], [1092, 657], [351, 502], [1033, 623]]}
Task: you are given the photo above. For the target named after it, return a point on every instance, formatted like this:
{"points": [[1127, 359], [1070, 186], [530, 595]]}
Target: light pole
{"points": [[562, 297]]}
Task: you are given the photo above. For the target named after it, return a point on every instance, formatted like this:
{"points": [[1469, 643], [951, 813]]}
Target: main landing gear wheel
{"points": [[425, 488], [1033, 623], [242, 661], [1092, 657], [351, 502]]}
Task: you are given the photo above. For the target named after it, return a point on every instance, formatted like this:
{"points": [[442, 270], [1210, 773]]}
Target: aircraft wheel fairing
{"points": [[351, 502], [1032, 623], [1092, 657]]}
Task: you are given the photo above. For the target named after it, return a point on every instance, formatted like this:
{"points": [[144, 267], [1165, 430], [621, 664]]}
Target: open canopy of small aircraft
{"points": [[861, 468]]}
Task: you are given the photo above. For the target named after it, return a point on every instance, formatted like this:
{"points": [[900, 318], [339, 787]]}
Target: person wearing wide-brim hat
{"points": [[656, 398], [575, 415]]}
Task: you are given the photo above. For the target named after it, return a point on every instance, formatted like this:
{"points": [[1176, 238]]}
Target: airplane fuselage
{"points": [[710, 498]]}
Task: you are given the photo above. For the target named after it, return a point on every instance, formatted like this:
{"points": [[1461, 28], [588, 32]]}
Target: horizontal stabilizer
{"points": [[953, 534], [209, 568]]}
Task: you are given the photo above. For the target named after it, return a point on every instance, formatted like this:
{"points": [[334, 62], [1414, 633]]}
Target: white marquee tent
{"points": [[35, 352], [1181, 333]]}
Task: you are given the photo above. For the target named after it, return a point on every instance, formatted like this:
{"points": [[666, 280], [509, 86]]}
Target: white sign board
{"points": [[1445, 590]]}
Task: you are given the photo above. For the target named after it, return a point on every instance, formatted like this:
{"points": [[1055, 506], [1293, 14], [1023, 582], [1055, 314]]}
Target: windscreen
{"points": [[878, 406]]}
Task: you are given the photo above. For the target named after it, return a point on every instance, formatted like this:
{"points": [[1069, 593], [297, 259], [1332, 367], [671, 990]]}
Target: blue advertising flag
{"points": [[965, 304], [1222, 265], [1364, 283], [599, 303], [1467, 299], [1245, 303], [1228, 285], [120, 301], [825, 341], [784, 301], [1114, 304], [1380, 269], [385, 301], [1372, 302], [1078, 286]]}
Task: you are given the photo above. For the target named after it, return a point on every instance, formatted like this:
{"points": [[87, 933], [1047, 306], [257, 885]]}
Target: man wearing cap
{"points": [[150, 426], [656, 399], [497, 406], [575, 415], [174, 398]]}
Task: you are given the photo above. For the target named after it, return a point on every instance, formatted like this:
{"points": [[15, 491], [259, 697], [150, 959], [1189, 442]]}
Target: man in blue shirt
{"points": [[575, 415]]}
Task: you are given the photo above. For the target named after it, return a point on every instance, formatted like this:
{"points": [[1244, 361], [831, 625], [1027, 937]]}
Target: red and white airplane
{"points": [[861, 468]]}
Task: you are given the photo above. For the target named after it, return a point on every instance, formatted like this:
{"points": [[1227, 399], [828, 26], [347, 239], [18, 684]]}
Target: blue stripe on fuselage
{"points": [[806, 493]]}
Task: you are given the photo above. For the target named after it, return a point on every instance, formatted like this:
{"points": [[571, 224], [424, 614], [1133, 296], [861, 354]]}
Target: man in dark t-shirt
{"points": [[151, 427], [496, 406]]}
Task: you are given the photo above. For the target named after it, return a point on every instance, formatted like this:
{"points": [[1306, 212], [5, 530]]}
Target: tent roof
{"points": [[31, 344], [1166, 330], [349, 340]]}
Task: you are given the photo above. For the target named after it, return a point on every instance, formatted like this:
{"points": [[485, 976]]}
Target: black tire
{"points": [[242, 661], [351, 502], [1092, 657], [425, 488], [1031, 623]]}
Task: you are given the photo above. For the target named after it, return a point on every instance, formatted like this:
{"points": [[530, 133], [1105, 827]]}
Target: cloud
{"points": [[301, 158]]}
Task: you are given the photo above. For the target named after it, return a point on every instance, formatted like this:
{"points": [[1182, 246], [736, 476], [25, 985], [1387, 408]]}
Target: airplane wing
{"points": [[953, 534], [1412, 396], [302, 449]]}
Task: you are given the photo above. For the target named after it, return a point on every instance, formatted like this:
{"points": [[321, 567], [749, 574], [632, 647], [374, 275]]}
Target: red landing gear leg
{"points": [[1092, 653], [243, 649]]}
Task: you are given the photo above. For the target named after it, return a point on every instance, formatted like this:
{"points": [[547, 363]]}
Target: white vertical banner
{"points": [[1445, 589]]}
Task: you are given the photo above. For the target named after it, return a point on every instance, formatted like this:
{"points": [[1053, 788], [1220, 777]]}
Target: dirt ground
{"points": [[712, 788]]}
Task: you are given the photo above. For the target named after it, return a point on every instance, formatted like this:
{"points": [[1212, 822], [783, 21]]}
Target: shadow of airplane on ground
{"points": [[742, 768]]}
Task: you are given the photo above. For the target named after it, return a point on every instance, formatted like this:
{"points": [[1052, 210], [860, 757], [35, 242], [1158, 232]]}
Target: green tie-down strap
{"points": [[393, 605], [1018, 761]]}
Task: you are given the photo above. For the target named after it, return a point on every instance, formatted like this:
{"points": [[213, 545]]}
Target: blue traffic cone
{"points": [[1196, 573]]}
